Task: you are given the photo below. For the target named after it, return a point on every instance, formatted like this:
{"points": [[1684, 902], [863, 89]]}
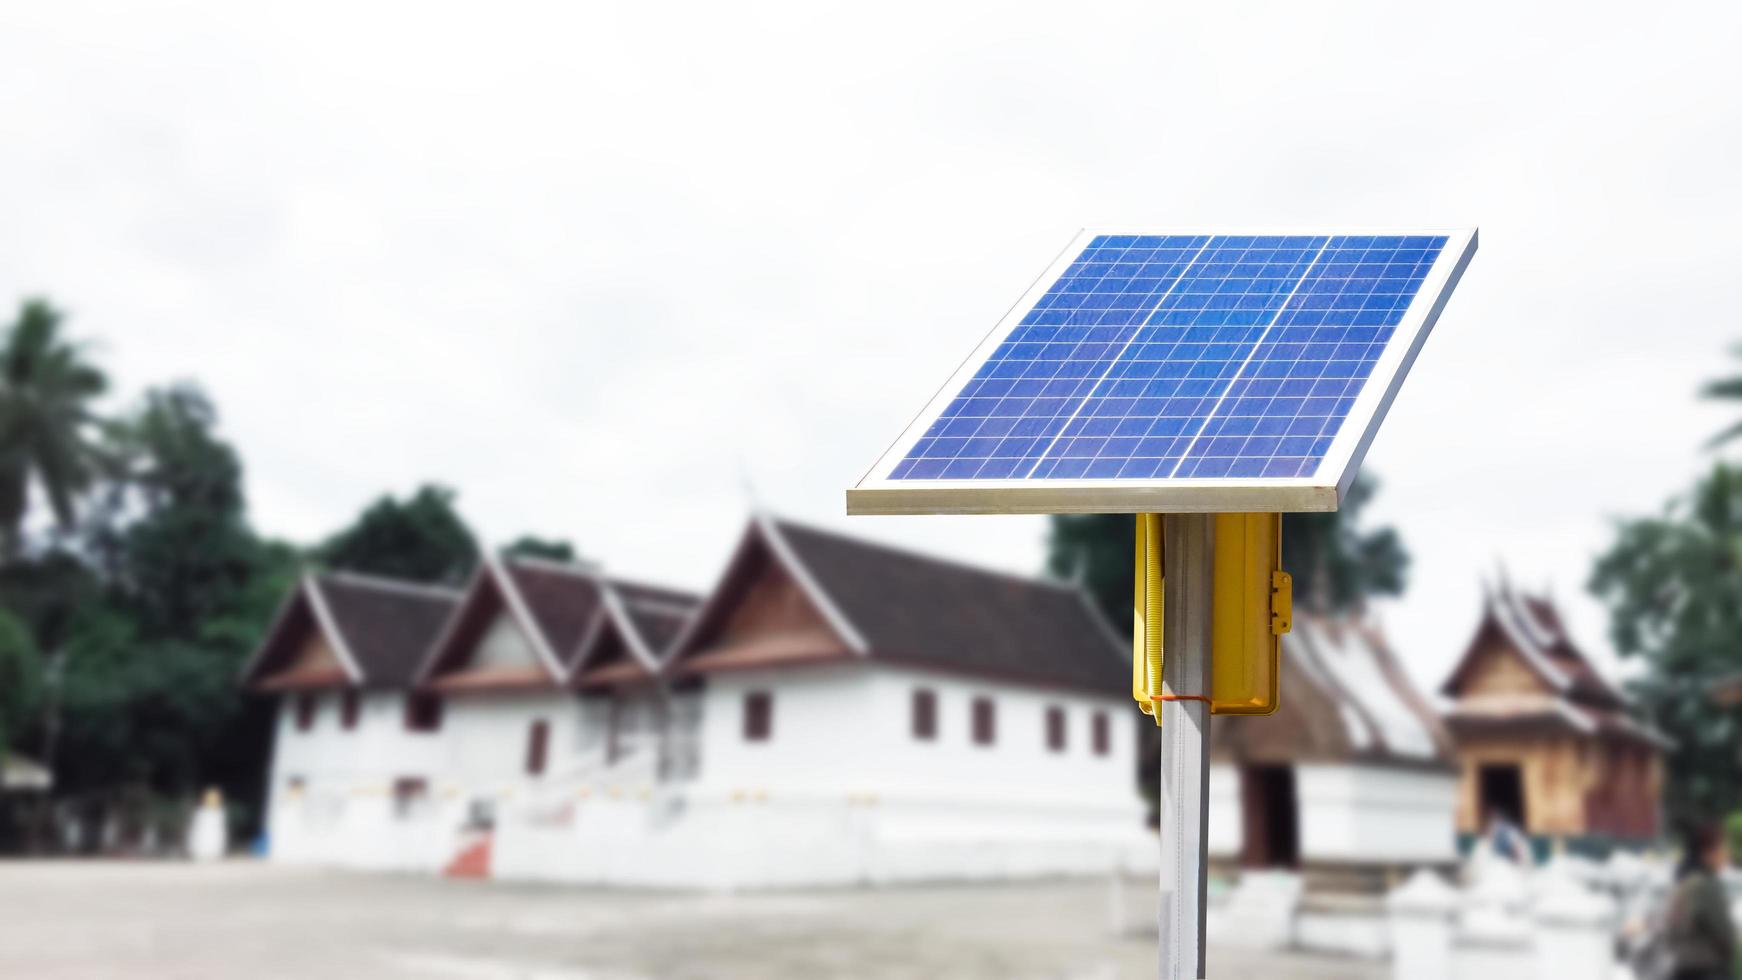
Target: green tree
{"points": [[148, 697], [1673, 585], [1096, 550], [529, 546], [1729, 390], [421, 538], [188, 555], [1337, 564], [47, 427], [20, 680], [45, 593]]}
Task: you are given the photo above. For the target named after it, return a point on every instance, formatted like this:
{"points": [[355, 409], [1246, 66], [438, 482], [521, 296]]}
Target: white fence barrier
{"points": [[1570, 918]]}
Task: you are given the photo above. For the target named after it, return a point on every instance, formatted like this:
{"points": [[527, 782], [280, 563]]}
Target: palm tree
{"points": [[1725, 389], [46, 421]]}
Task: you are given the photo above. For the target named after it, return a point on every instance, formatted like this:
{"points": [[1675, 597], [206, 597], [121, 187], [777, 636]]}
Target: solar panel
{"points": [[1178, 372]]}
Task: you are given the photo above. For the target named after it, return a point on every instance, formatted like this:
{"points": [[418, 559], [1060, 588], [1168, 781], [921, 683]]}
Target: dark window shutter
{"points": [[423, 713], [985, 722], [305, 712], [349, 708], [1055, 728], [925, 714], [758, 716], [1103, 734], [537, 746]]}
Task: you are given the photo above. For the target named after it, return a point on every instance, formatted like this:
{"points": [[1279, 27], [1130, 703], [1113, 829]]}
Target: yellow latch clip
{"points": [[1281, 602]]}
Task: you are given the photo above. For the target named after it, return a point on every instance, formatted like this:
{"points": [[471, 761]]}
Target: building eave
{"points": [[1506, 615], [280, 618], [522, 613], [813, 589], [445, 636], [330, 625]]}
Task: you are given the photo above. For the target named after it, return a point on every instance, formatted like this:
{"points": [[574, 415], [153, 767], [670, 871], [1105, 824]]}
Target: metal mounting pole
{"points": [[1185, 741]]}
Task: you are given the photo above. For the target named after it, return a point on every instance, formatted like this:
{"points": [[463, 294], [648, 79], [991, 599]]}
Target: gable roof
{"points": [[377, 628], [561, 599], [1344, 697], [1576, 696], [642, 620], [894, 605], [1532, 628], [660, 614], [551, 602]]}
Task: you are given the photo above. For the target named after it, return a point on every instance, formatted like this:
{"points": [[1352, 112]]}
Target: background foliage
{"points": [[1673, 584], [130, 603]]}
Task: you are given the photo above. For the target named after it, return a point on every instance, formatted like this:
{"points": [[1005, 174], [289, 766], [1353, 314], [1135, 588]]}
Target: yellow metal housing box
{"points": [[1247, 645], [1252, 606]]}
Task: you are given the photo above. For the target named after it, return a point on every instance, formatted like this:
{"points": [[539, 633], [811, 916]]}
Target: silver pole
{"points": [[1185, 740]]}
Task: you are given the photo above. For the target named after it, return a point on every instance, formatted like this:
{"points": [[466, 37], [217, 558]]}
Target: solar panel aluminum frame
{"points": [[1323, 491]]}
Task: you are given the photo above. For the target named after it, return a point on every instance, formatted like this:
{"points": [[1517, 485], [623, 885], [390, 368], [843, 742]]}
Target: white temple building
{"points": [[834, 712]]}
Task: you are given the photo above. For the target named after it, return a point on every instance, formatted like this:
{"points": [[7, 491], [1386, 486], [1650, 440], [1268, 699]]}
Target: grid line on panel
{"points": [[1204, 423], [1114, 363], [1023, 393], [1312, 365], [1190, 348]]}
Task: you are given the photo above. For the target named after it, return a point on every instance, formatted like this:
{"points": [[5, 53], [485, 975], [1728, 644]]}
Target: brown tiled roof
{"points": [[1534, 629], [380, 627], [1587, 683], [658, 614], [387, 625], [930, 612], [563, 599], [552, 602], [628, 640]]}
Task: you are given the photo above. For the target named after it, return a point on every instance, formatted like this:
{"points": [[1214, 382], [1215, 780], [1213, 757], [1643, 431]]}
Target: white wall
{"points": [[1223, 834], [1352, 813], [823, 733], [1012, 809], [485, 738], [344, 812], [842, 793], [504, 644], [1375, 813], [848, 729]]}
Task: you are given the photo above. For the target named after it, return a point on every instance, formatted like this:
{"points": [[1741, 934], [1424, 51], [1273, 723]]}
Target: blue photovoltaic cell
{"points": [[1154, 357]]}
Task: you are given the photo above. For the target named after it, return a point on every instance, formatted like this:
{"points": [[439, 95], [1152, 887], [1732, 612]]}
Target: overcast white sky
{"points": [[602, 267]]}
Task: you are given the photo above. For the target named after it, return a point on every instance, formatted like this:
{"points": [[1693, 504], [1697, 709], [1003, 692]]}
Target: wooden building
{"points": [[1543, 740]]}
